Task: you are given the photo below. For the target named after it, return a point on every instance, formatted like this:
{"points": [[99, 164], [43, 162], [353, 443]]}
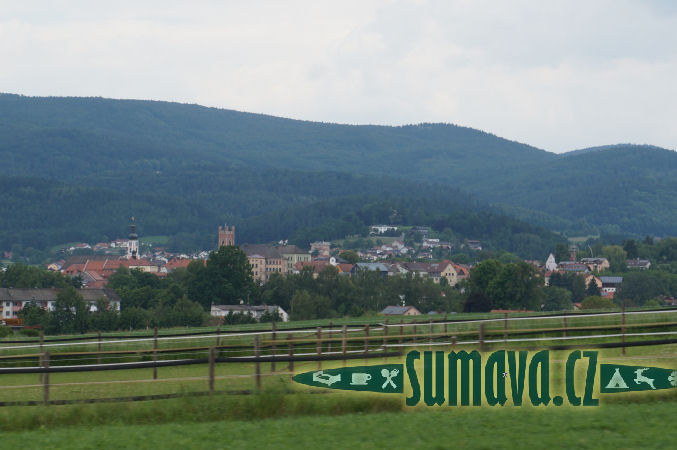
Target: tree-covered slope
{"points": [[633, 188], [38, 213], [222, 157], [67, 137]]}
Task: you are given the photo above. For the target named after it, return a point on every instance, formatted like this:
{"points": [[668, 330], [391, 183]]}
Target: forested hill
{"points": [[68, 137], [161, 148], [628, 187], [265, 206]]}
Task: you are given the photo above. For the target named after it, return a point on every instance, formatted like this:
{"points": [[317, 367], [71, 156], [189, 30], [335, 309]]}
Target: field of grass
{"points": [[290, 415], [617, 426]]}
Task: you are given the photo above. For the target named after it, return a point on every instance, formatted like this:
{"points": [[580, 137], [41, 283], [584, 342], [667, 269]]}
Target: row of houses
{"points": [[590, 265], [13, 300], [96, 269], [453, 273]]}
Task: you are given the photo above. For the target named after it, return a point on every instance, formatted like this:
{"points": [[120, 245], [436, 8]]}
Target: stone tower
{"points": [[226, 235], [133, 243], [572, 252]]}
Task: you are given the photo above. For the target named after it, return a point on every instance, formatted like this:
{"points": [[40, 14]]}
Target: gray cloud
{"points": [[558, 75]]}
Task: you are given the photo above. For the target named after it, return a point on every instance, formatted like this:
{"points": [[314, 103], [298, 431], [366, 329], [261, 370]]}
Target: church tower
{"points": [[226, 236], [133, 243]]}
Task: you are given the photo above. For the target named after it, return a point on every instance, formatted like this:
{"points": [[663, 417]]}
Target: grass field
{"points": [[286, 415], [616, 426]]}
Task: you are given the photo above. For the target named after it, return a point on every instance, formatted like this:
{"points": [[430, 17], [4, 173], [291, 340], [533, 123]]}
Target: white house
{"points": [[255, 311], [550, 263]]}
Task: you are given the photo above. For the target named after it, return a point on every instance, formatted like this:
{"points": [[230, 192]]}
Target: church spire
{"points": [[133, 243]]}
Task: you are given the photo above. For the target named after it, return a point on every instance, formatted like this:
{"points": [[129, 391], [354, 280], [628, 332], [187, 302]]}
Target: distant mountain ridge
{"points": [[159, 133], [608, 147], [124, 144]]}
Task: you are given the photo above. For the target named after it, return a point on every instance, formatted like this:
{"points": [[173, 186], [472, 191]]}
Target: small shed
{"points": [[401, 311]]}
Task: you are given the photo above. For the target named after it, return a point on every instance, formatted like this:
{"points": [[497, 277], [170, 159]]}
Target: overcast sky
{"points": [[559, 75]]}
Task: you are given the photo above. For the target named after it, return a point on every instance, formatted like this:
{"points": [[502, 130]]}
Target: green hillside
{"points": [[69, 137], [80, 166], [630, 187]]}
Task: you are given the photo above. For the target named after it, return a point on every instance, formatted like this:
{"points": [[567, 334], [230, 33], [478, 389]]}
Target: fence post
{"points": [[414, 331], [155, 353], [344, 344], [319, 347], [290, 339], [329, 342], [257, 353], [272, 348], [42, 337], [445, 324], [430, 332], [366, 343], [212, 357], [401, 331], [505, 330], [98, 359], [623, 326], [564, 319], [481, 336], [45, 363], [385, 339]]}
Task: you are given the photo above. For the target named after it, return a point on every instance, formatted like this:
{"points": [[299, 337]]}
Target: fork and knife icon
{"points": [[389, 375]]}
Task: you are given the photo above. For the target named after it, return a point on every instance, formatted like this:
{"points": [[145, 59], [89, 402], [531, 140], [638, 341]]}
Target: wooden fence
{"points": [[322, 344]]}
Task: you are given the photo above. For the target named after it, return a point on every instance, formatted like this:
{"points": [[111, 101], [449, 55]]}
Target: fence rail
{"points": [[385, 334], [324, 344]]}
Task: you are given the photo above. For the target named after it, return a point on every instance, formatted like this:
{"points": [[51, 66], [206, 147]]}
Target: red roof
{"points": [[345, 267], [175, 263], [318, 266]]}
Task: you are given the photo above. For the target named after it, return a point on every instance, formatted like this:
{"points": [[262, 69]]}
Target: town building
{"points": [[323, 248], [265, 260], [382, 269], [611, 284], [380, 229], [642, 264], [401, 311], [474, 245], [596, 264], [293, 255], [256, 311], [550, 263], [226, 236]]}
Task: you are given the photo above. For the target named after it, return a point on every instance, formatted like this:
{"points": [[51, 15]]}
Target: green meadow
{"points": [[284, 414]]}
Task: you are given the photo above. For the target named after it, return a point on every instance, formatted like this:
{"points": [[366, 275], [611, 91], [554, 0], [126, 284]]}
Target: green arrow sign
{"points": [[617, 378], [385, 378]]}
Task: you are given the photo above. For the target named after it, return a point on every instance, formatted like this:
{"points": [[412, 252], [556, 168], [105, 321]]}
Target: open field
{"points": [[293, 415], [617, 426], [240, 378]]}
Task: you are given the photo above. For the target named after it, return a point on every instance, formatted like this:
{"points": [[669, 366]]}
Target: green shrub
{"points": [[31, 332]]}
